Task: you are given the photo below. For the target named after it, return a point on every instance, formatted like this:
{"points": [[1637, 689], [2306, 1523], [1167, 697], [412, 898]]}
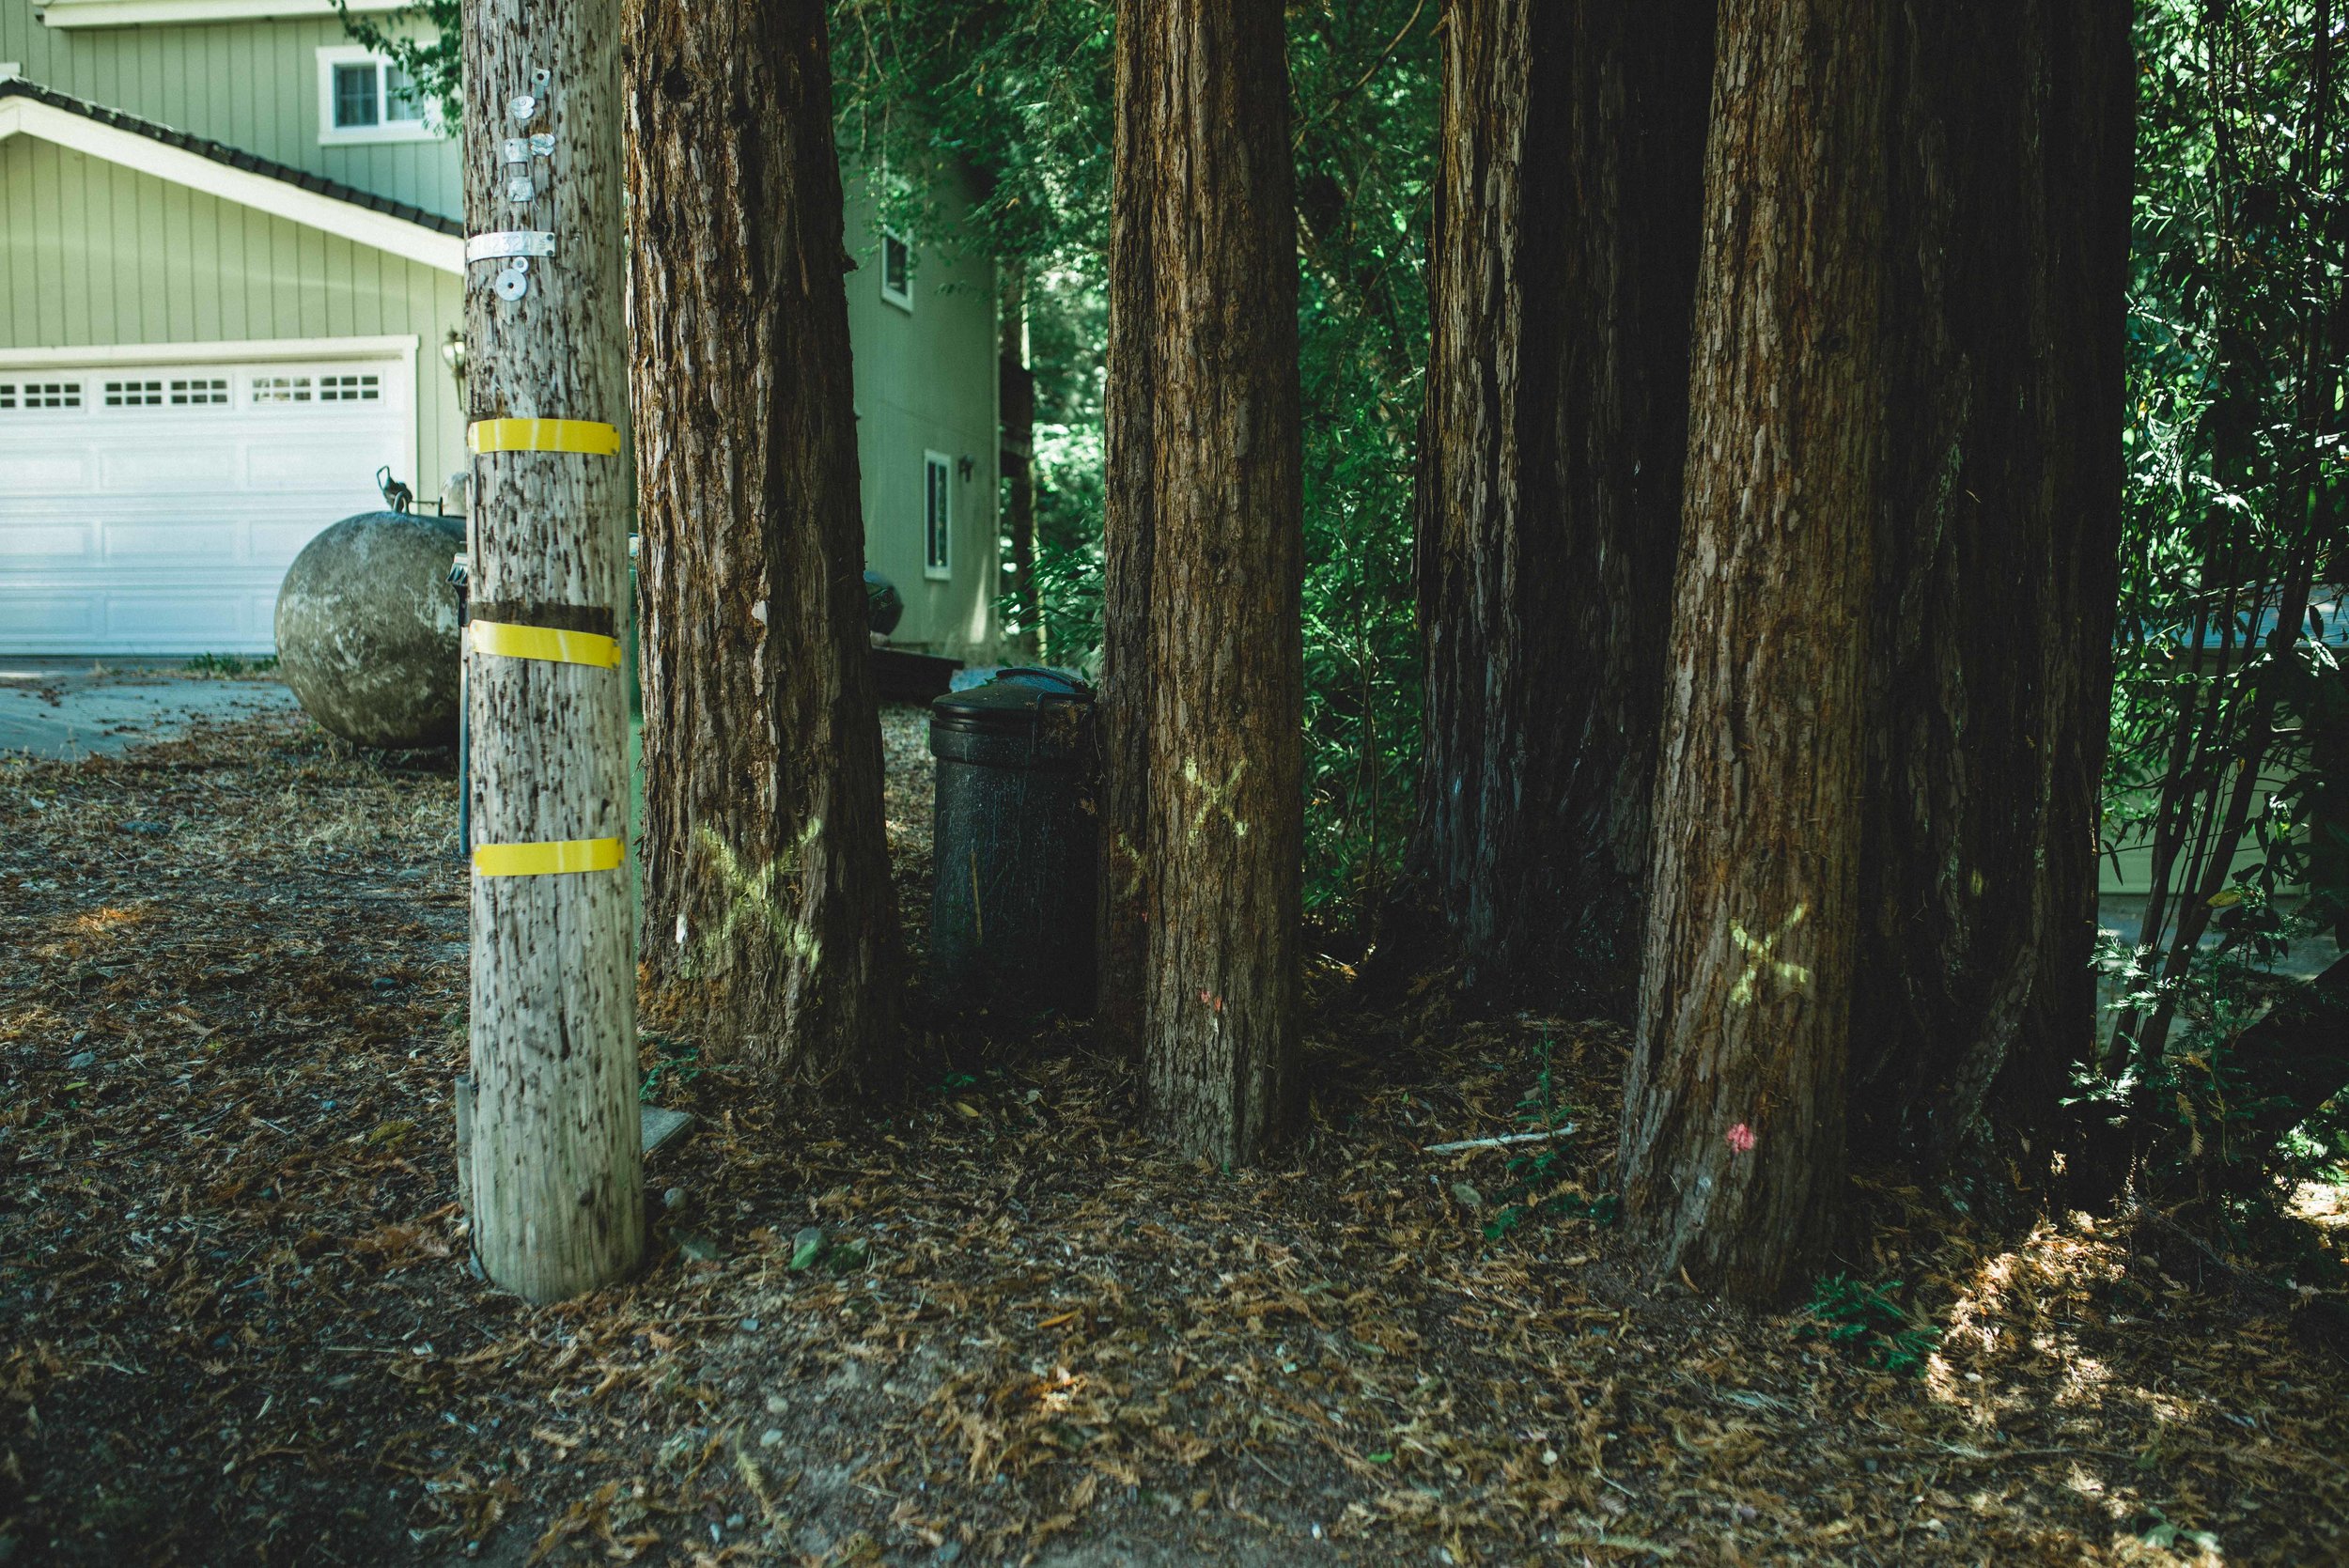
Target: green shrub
{"points": [[1868, 1321]]}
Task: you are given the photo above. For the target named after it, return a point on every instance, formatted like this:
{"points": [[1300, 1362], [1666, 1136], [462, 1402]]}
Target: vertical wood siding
{"points": [[251, 84], [925, 381], [111, 257]]}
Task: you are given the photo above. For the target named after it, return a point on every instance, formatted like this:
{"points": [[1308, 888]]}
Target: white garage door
{"points": [[154, 509]]}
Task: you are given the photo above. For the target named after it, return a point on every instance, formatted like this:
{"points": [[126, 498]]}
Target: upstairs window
{"points": [[363, 97], [358, 97], [896, 269]]}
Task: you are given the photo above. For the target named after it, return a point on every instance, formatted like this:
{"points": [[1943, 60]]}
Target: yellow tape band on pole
{"points": [[543, 435], [503, 640], [546, 860]]}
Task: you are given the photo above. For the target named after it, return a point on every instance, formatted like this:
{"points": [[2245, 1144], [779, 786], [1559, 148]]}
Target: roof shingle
{"points": [[221, 153]]}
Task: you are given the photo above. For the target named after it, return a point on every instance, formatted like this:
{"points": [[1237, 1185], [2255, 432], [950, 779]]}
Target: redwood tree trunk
{"points": [[1569, 192], [1991, 678], [1128, 542], [1205, 670], [1733, 1125], [767, 905]]}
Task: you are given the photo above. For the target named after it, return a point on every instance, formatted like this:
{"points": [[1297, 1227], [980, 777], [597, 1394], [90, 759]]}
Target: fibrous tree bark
{"points": [[1017, 400], [556, 1175], [1990, 672], [1128, 409], [1733, 1142], [1204, 661], [1562, 271], [769, 913]]}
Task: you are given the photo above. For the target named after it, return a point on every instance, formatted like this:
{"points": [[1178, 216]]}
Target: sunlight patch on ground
{"points": [[2325, 1204], [114, 915]]}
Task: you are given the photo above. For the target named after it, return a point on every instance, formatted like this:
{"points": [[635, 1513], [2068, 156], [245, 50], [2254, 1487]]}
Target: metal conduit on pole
{"points": [[555, 1168]]}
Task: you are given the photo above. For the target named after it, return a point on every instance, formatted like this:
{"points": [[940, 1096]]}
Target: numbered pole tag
{"points": [[507, 243]]}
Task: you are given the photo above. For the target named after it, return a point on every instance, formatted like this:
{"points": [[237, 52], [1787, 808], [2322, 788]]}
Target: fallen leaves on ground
{"points": [[238, 1318]]}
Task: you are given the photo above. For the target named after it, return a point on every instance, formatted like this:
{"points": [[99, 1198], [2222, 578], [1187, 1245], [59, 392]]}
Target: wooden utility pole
{"points": [[1204, 661], [767, 905], [556, 1170], [1733, 1151]]}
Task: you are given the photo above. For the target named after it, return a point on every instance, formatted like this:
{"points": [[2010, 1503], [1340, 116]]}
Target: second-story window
{"points": [[896, 269], [363, 97]]}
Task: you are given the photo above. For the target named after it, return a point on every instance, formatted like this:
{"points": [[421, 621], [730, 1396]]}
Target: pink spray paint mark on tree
{"points": [[1740, 1137]]}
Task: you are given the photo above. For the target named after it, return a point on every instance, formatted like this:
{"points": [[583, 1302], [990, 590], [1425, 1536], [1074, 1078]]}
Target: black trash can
{"points": [[1015, 844]]}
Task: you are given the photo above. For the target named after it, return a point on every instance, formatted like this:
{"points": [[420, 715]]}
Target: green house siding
{"points": [[2129, 868], [925, 381], [93, 255], [251, 84], [96, 255]]}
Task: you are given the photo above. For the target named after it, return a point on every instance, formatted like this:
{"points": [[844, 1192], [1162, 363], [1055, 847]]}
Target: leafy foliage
{"points": [[1869, 1321], [426, 40], [2228, 773], [674, 1066], [1364, 81], [228, 666], [2222, 790], [2218, 1144], [1537, 1185]]}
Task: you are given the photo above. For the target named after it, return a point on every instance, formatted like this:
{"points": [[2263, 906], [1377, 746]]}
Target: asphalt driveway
{"points": [[73, 708]]}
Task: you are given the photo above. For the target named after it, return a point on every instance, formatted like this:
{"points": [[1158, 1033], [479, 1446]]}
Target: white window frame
{"points": [[943, 567], [424, 129], [901, 298], [129, 13]]}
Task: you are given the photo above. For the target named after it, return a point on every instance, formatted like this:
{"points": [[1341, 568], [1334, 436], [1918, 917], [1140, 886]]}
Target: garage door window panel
{"points": [[40, 395]]}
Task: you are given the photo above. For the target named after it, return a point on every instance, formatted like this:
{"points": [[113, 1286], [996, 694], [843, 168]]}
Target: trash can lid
{"points": [[1008, 704]]}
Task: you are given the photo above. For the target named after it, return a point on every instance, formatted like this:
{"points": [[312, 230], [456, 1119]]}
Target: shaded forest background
{"points": [[2230, 720], [2229, 763], [1017, 97]]}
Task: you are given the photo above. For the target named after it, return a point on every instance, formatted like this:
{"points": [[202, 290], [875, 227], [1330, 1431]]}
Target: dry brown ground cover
{"points": [[238, 1322]]}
